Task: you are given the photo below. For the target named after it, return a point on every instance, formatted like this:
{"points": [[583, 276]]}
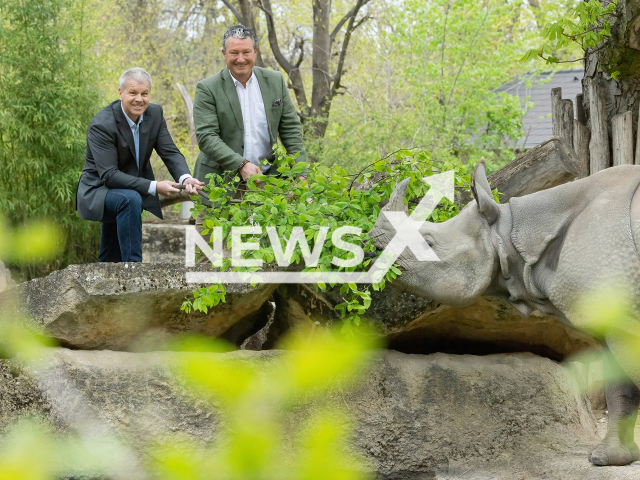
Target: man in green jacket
{"points": [[240, 112]]}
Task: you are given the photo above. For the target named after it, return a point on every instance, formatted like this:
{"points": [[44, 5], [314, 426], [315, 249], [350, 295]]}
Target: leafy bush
{"points": [[328, 199]]}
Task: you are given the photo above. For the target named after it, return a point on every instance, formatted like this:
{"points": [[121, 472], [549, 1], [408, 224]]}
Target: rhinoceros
{"points": [[546, 251]]}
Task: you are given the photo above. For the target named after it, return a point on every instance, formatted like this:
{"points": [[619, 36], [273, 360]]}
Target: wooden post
{"points": [[582, 118], [622, 139], [188, 103], [567, 121], [599, 142], [187, 206], [556, 111], [581, 147], [561, 116]]}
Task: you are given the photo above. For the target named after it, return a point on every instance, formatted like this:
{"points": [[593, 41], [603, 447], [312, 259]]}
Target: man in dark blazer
{"points": [[117, 181]]}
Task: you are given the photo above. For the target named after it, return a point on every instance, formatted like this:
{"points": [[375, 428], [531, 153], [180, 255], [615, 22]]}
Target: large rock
{"points": [[164, 241], [516, 416], [490, 325], [130, 306], [412, 324]]}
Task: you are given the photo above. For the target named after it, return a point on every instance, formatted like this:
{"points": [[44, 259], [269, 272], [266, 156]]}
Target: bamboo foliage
{"points": [[50, 77]]}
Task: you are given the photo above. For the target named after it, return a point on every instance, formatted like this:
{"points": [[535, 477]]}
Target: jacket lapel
{"points": [[123, 126], [232, 95], [268, 98]]}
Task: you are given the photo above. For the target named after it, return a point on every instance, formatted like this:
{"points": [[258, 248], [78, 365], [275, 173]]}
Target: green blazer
{"points": [[220, 128]]}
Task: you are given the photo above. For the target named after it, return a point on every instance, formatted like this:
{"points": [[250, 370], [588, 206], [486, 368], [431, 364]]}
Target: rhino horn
{"points": [[396, 201]]}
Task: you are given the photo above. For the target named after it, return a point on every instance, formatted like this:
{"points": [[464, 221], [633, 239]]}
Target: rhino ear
{"points": [[482, 193], [396, 200]]}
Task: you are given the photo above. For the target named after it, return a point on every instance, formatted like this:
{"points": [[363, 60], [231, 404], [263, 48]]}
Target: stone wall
{"points": [[515, 416]]}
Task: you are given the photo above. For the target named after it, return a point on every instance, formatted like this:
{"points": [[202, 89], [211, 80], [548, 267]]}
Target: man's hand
{"points": [[249, 170], [192, 185], [166, 187]]}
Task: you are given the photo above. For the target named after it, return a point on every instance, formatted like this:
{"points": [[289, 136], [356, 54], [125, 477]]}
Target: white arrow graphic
{"points": [[407, 236], [408, 227]]}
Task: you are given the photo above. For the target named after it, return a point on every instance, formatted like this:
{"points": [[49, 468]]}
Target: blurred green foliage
{"points": [[253, 398], [423, 76], [31, 243]]}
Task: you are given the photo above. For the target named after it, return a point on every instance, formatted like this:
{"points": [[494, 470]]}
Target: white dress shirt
{"points": [[257, 143], [135, 129]]}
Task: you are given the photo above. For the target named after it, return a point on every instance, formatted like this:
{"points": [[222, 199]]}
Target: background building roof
{"points": [[537, 120]]}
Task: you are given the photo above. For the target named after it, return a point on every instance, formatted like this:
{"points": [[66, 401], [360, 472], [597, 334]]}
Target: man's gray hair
{"points": [[239, 31], [138, 74]]}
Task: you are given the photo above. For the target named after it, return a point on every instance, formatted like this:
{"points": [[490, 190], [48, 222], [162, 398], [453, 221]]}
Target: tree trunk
{"points": [[619, 52], [321, 91]]}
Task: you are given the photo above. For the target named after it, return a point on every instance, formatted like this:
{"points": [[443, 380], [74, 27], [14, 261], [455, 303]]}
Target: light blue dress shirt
{"points": [[135, 129]]}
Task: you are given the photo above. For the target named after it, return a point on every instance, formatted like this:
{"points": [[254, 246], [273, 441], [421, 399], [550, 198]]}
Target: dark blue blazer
{"points": [[111, 159]]}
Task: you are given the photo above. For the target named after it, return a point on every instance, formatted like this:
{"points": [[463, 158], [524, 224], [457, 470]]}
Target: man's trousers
{"points": [[121, 239]]}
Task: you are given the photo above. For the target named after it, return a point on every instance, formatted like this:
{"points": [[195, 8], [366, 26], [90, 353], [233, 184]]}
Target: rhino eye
{"points": [[429, 240]]}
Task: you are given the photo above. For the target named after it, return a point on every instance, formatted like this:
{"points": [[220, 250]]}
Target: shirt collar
{"points": [[129, 121], [236, 82]]}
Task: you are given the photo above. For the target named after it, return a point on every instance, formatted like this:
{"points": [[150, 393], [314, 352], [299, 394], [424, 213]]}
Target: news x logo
{"points": [[407, 235]]}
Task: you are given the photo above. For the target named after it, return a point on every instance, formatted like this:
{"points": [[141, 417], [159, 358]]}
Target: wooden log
{"points": [[599, 142], [546, 165], [622, 139], [581, 147], [561, 116]]}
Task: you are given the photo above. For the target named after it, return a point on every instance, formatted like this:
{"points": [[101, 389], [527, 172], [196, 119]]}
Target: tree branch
{"points": [[300, 46], [265, 6], [345, 44], [295, 79], [235, 12], [601, 47], [362, 20], [349, 14]]}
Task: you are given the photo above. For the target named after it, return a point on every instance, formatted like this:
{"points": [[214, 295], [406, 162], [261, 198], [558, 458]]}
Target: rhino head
{"points": [[468, 263]]}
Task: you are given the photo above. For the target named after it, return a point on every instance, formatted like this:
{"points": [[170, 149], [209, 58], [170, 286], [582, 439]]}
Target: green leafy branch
{"points": [[324, 202], [587, 25]]}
